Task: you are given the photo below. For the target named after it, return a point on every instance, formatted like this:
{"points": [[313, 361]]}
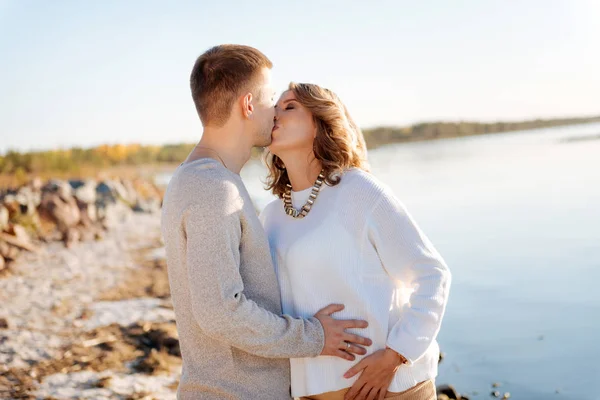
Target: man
{"points": [[234, 341]]}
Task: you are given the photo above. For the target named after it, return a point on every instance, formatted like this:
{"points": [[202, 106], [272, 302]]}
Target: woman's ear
{"points": [[247, 106]]}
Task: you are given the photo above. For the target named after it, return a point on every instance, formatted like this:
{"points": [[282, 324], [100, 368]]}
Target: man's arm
{"points": [[213, 231]]}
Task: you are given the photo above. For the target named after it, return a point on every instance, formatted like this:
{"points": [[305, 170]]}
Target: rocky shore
{"points": [[85, 310]]}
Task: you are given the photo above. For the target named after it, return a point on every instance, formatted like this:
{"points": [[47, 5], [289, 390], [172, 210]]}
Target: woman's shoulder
{"points": [[366, 195], [269, 211], [361, 183]]}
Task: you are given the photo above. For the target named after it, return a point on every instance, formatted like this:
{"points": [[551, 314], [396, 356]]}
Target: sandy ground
{"points": [[91, 322]]}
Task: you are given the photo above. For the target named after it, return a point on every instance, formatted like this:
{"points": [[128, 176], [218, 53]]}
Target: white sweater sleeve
{"points": [[408, 256]]}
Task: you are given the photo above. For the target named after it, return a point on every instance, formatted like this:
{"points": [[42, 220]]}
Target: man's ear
{"points": [[247, 105]]}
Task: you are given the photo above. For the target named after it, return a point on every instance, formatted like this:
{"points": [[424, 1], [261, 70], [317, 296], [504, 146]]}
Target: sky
{"points": [[83, 73]]}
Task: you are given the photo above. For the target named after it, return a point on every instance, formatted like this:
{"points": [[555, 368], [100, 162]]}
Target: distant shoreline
{"points": [[133, 160], [381, 136]]}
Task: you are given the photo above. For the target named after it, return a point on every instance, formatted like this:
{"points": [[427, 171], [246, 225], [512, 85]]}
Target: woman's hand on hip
{"points": [[378, 370]]}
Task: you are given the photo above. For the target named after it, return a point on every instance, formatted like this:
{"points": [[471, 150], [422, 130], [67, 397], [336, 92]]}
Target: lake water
{"points": [[517, 218]]}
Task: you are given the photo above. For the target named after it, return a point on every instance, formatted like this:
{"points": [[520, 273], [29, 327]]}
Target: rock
{"points": [[76, 183], [147, 206], [10, 252], [102, 189], [61, 188], [11, 204], [449, 391], [63, 210], [442, 397], [495, 393], [19, 232], [71, 237], [16, 242], [105, 194], [88, 213], [28, 200], [4, 249], [127, 192], [17, 236], [3, 218], [86, 193], [495, 385], [506, 396]]}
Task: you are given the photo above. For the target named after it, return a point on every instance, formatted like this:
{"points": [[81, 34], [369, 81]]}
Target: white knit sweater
{"points": [[359, 246]]}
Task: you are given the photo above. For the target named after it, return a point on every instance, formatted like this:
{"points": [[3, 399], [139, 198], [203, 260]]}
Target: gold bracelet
{"points": [[403, 359]]}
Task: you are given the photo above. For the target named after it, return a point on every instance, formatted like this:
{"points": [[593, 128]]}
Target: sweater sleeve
{"points": [[407, 255], [213, 233]]}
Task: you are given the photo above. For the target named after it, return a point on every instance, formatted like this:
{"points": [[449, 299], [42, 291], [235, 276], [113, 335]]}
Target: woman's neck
{"points": [[302, 170]]}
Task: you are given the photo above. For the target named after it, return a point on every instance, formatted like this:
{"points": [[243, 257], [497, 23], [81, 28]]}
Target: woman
{"points": [[338, 235]]}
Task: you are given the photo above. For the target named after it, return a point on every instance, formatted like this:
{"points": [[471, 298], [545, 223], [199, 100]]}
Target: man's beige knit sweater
{"points": [[234, 341]]}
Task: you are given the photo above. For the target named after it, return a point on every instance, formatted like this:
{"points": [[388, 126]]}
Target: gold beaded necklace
{"points": [[303, 212]]}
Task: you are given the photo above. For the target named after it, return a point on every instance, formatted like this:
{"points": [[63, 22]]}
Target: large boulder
{"points": [[62, 209]]}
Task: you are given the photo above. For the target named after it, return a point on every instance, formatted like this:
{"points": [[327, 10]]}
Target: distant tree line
{"points": [[380, 136], [73, 160]]}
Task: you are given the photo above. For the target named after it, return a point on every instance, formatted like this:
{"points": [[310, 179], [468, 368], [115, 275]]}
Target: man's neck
{"points": [[220, 145], [302, 169]]}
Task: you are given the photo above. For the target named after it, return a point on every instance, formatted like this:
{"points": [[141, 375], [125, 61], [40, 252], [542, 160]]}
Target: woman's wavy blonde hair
{"points": [[339, 144]]}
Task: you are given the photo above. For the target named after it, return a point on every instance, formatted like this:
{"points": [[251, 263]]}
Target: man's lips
{"points": [[274, 128]]}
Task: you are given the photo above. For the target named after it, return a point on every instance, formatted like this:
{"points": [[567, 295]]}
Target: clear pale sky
{"points": [[81, 73]]}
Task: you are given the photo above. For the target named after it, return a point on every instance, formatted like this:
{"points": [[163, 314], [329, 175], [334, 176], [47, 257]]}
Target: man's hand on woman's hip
{"points": [[338, 342]]}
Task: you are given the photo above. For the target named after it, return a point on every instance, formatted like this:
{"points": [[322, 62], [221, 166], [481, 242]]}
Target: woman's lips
{"points": [[274, 128]]}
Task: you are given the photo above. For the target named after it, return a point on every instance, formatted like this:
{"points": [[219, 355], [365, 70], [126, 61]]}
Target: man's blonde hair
{"points": [[220, 75]]}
